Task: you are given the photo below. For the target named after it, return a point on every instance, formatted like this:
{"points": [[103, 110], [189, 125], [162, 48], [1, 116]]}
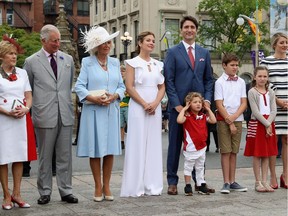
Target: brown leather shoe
{"points": [[210, 190], [172, 190]]}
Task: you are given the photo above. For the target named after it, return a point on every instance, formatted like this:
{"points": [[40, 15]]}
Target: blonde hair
{"points": [[191, 95], [6, 47], [275, 38], [122, 68]]}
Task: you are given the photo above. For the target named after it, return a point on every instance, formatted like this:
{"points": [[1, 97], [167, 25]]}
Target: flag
{"points": [[253, 29]]}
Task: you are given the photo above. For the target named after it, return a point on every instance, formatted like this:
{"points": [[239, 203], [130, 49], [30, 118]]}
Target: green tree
{"points": [[30, 42], [230, 37]]}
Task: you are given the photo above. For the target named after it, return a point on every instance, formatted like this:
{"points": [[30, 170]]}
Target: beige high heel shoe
{"points": [[267, 187], [259, 187]]}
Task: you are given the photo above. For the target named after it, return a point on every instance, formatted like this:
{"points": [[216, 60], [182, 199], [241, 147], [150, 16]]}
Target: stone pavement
{"points": [[235, 203]]}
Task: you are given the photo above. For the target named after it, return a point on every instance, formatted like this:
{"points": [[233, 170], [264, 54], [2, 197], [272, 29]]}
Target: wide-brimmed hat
{"points": [[96, 36]]}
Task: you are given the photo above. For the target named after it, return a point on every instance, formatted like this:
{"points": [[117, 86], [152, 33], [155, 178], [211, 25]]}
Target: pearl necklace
{"points": [[101, 63]]}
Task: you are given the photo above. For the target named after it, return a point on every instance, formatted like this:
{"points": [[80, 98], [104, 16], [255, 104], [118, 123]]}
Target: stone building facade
{"points": [[159, 16]]}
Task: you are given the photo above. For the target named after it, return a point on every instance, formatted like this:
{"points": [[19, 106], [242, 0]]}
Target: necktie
{"points": [[232, 78], [190, 54], [53, 65]]}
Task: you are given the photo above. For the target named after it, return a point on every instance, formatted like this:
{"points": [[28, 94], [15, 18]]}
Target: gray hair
{"points": [[94, 51], [46, 30]]}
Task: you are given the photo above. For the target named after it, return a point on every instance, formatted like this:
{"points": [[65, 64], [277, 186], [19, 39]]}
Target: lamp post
{"points": [[166, 33], [240, 21], [126, 41]]}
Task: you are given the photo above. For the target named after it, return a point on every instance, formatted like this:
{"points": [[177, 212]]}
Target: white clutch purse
{"points": [[100, 92], [17, 103]]}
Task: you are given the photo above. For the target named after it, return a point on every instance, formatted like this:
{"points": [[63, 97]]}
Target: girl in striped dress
{"points": [[277, 65]]}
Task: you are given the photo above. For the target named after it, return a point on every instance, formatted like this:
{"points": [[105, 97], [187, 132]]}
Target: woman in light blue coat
{"points": [[100, 88]]}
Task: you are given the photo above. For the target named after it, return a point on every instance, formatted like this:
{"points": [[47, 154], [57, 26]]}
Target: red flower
{"points": [[12, 77]]}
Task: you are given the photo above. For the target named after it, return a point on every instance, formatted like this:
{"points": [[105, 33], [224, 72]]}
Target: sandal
{"points": [[259, 187], [268, 187]]}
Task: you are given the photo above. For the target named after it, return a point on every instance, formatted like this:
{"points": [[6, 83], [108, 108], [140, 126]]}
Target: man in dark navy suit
{"points": [[187, 68]]}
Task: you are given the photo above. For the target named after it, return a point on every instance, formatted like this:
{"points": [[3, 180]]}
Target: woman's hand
{"points": [[18, 112], [150, 107]]}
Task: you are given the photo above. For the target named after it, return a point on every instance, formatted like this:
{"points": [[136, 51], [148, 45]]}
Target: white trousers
{"points": [[197, 159]]}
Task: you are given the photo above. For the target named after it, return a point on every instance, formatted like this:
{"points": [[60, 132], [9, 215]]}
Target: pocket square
{"points": [[201, 59]]}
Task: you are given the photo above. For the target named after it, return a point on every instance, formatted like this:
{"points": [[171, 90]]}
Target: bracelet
{"points": [[116, 96]]}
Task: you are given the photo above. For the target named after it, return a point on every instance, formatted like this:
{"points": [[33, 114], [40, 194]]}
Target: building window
{"points": [[209, 44], [172, 25], [136, 31], [10, 17], [124, 1], [69, 7], [82, 8], [96, 7], [114, 3], [114, 41], [104, 5], [124, 28]]}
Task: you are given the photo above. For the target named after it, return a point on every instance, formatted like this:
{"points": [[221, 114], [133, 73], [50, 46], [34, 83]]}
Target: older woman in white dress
{"points": [[14, 88], [143, 168]]}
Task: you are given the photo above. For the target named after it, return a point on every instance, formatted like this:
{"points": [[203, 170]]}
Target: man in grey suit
{"points": [[184, 72], [51, 74]]}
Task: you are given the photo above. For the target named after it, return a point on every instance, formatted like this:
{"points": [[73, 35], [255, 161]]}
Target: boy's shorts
{"points": [[123, 116], [229, 143]]}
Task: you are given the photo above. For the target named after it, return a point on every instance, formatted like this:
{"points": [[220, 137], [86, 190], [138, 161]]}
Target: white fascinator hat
{"points": [[96, 36]]}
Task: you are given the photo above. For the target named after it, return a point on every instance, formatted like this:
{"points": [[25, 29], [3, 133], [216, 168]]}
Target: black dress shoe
{"points": [[26, 174], [44, 199], [70, 199]]}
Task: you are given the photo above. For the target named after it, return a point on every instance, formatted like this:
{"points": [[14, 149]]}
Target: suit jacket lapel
{"points": [[183, 52], [197, 56], [44, 61]]}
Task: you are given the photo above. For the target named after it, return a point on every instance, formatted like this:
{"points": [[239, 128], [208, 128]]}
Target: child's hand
{"points": [[233, 129], [187, 106], [206, 107], [269, 131]]}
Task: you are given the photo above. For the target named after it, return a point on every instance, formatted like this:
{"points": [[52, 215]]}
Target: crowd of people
{"points": [[105, 89]]}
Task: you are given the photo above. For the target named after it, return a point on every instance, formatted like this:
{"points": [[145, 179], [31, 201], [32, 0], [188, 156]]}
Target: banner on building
{"points": [[278, 16]]}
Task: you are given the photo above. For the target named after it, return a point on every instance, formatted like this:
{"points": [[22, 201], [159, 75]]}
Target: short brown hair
{"points": [[189, 18], [227, 58]]}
